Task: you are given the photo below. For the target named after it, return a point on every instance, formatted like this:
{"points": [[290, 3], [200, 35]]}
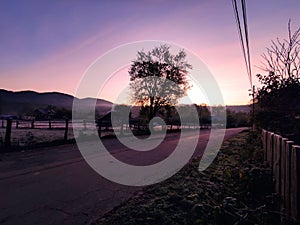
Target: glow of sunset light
{"points": [[48, 45]]}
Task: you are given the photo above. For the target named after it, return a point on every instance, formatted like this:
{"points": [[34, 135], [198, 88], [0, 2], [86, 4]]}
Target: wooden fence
{"points": [[104, 128], [284, 159], [25, 124], [32, 124]]}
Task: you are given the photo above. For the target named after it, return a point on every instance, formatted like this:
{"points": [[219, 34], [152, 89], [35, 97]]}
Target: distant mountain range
{"points": [[22, 102]]}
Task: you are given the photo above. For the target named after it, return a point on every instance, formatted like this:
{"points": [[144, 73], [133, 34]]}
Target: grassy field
{"points": [[26, 137], [236, 189]]}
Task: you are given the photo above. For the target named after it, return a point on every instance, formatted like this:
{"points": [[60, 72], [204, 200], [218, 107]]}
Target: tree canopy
{"points": [[158, 78]]}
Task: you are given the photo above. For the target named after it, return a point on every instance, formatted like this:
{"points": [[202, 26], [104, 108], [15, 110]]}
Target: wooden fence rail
{"points": [[19, 124], [104, 128], [284, 159]]}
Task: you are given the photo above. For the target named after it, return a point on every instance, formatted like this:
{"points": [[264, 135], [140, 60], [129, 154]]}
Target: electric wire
{"points": [[247, 40], [245, 47]]}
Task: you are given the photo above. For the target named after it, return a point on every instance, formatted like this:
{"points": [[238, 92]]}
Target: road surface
{"points": [[54, 185]]}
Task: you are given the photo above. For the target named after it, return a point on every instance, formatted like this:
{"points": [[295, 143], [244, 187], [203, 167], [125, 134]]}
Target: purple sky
{"points": [[48, 45]]}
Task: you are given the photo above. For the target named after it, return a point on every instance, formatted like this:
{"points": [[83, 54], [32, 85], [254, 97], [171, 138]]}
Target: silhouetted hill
{"points": [[22, 102]]}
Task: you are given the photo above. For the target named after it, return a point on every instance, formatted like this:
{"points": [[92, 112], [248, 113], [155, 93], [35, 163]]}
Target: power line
{"points": [[247, 40], [246, 52], [245, 47]]}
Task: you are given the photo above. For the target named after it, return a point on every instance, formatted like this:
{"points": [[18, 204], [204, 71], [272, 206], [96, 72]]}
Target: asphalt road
{"points": [[55, 185]]}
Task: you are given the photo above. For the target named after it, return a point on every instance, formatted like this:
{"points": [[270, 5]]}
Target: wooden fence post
{"points": [[282, 171], [277, 157], [270, 150], [295, 182], [264, 141], [66, 130], [121, 128], [7, 141], [288, 154], [32, 124], [100, 128]]}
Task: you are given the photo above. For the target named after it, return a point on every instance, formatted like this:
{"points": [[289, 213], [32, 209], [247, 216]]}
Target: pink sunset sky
{"points": [[48, 45]]}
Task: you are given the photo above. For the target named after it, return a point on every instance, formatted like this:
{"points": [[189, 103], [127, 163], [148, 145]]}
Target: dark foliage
{"points": [[278, 100], [237, 119]]}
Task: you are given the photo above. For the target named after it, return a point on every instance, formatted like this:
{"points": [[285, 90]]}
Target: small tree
{"points": [[279, 97], [204, 114], [153, 94]]}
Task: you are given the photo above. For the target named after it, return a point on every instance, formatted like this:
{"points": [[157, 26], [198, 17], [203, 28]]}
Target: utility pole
{"points": [[253, 94]]}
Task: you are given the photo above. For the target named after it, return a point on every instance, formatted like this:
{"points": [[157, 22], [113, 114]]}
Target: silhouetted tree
{"points": [[150, 76], [204, 114], [63, 113]]}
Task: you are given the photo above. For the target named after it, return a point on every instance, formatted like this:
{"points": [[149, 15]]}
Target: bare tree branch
{"points": [[282, 59]]}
